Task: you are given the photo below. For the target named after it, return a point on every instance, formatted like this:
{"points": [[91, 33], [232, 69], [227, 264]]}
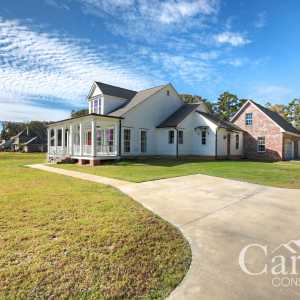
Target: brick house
{"points": [[268, 136]]}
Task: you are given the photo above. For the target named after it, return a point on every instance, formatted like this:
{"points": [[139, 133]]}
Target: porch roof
{"points": [[220, 123], [84, 117]]}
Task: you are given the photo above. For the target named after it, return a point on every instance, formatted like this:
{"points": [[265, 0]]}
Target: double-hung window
{"points": [[52, 138], [249, 119], [171, 136], [143, 141], [261, 144], [237, 142], [66, 137], [127, 140], [180, 137], [203, 137], [59, 137]]}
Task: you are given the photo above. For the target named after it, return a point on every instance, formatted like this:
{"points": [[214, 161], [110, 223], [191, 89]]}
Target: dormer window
{"points": [[95, 105]]}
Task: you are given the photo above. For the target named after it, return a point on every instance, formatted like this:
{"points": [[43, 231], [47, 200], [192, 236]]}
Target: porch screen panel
{"points": [[110, 139]]}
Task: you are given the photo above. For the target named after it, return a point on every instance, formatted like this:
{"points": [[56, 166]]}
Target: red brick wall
{"points": [[262, 126]]}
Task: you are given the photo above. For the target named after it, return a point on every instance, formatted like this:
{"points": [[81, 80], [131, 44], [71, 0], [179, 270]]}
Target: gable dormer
{"points": [[104, 98]]}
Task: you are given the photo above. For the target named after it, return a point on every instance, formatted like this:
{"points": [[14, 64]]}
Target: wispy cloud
{"points": [[272, 93], [38, 64], [261, 20], [143, 19], [234, 39], [57, 4]]}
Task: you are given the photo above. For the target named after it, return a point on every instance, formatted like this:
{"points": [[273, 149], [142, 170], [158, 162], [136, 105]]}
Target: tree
{"points": [[227, 105], [79, 113], [292, 112], [278, 108], [191, 99], [35, 128]]}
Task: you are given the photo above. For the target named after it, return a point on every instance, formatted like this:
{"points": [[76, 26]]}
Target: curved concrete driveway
{"points": [[220, 217]]}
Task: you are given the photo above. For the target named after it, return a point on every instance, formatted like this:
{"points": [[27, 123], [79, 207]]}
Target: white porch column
{"points": [[81, 138], [71, 140], [93, 137], [90, 106]]}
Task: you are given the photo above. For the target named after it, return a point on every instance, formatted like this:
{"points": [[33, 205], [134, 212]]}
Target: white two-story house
{"points": [[152, 122]]}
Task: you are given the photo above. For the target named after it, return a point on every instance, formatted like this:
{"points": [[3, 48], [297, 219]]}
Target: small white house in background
{"points": [[151, 122]]}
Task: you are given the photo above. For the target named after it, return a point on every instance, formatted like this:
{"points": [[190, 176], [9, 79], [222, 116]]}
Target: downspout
{"points": [[216, 144], [120, 138]]}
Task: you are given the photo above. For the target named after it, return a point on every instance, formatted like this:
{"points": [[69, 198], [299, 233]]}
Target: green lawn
{"points": [[63, 238], [280, 174]]}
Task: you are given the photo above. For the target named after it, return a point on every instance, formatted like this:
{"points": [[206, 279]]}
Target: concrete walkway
{"points": [[219, 217]]}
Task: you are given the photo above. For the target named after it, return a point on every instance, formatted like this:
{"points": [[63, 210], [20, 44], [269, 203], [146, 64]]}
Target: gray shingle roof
{"points": [[220, 123], [137, 99], [278, 119], [116, 91], [178, 116]]}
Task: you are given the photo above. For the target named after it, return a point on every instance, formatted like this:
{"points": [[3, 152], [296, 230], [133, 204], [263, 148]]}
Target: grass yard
{"points": [[63, 238], [279, 174]]}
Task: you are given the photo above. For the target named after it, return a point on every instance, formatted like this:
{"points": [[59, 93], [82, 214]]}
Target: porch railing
{"points": [[100, 150], [104, 150]]}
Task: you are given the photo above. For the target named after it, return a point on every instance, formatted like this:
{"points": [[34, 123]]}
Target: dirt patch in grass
{"points": [[63, 238]]}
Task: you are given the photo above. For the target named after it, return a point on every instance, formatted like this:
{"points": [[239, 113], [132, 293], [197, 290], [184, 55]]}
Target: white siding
{"points": [[222, 142], [111, 103], [148, 115], [162, 142], [233, 150], [192, 138]]}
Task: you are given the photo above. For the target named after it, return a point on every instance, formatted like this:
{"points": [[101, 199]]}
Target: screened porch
{"points": [[90, 137]]}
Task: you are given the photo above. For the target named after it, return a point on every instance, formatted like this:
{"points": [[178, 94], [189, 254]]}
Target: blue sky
{"points": [[52, 50]]}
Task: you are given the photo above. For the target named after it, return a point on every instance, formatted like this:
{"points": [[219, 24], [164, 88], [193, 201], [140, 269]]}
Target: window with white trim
{"points": [[180, 137], [59, 137], [171, 136], [52, 138], [249, 119], [237, 141], [66, 137], [127, 140], [203, 137], [261, 144], [143, 141]]}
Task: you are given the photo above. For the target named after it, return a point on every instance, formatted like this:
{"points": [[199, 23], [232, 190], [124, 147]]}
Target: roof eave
{"points": [[93, 114]]}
